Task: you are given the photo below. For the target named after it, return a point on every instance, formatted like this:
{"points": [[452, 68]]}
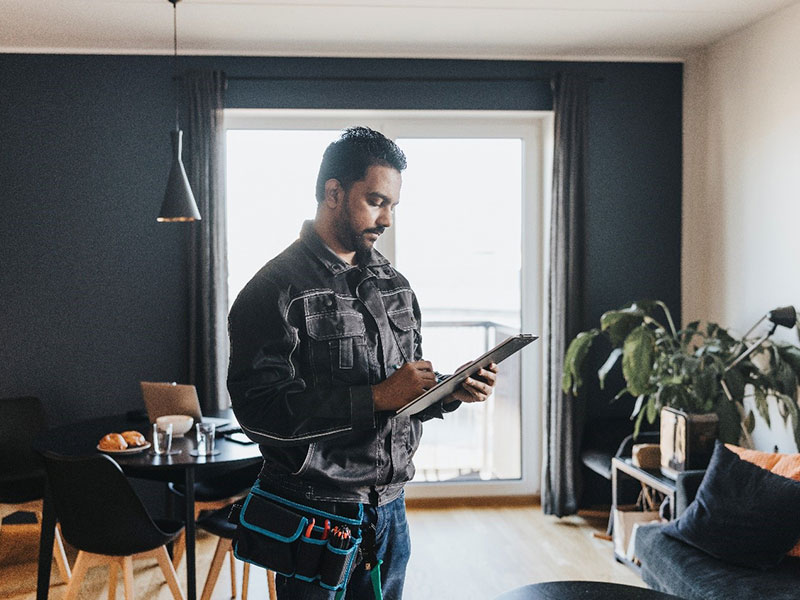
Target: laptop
{"points": [[162, 398]]}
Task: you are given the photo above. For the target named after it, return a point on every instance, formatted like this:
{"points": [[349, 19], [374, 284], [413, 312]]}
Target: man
{"points": [[325, 346]]}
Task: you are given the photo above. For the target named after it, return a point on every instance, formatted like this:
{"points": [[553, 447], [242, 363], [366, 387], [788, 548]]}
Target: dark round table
{"points": [[180, 466], [584, 590]]}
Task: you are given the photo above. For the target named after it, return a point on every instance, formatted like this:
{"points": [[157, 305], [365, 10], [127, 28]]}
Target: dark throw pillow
{"points": [[742, 513]]}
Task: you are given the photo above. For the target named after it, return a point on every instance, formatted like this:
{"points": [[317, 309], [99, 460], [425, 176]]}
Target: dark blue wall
{"points": [[93, 290]]}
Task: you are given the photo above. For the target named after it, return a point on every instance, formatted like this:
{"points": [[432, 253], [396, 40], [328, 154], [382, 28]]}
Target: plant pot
{"points": [[687, 440]]}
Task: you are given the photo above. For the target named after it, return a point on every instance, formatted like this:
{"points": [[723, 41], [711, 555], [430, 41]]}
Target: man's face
{"points": [[368, 208]]}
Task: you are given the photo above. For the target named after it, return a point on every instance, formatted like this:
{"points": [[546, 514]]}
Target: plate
{"points": [[134, 450]]}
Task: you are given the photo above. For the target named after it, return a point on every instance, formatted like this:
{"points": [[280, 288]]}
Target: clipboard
{"points": [[449, 385]]}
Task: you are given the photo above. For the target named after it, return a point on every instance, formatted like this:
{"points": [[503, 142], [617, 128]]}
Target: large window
{"points": [[467, 235]]}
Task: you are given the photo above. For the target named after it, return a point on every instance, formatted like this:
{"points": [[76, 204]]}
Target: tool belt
{"points": [[297, 540]]}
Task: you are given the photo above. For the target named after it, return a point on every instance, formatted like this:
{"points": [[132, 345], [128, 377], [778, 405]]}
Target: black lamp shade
{"points": [[179, 203], [785, 316]]}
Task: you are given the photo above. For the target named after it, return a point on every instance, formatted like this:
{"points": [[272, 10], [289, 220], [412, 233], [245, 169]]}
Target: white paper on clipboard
{"points": [[447, 386]]}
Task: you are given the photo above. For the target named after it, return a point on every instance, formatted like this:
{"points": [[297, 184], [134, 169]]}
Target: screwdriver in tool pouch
{"points": [[310, 528], [326, 530]]}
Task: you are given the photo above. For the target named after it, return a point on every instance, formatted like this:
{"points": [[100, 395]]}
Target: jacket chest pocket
{"points": [[337, 344], [404, 327]]}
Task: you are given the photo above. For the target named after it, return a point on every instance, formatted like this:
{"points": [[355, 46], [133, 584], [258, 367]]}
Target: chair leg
{"points": [[112, 580], [169, 572], [61, 556], [232, 560], [245, 580], [273, 592], [214, 569], [178, 549], [127, 576], [82, 564], [58, 549]]}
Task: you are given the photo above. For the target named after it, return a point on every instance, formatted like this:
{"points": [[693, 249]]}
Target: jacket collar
{"points": [[329, 259]]}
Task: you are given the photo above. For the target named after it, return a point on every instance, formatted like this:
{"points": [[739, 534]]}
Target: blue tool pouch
{"points": [[277, 534]]}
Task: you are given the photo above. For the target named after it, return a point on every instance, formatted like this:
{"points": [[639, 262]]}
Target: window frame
{"points": [[535, 128]]}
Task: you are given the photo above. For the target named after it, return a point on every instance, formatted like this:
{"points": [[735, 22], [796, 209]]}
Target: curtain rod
{"points": [[390, 79]]}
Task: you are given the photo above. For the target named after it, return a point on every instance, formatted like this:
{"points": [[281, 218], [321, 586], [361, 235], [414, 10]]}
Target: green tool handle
{"points": [[375, 576]]}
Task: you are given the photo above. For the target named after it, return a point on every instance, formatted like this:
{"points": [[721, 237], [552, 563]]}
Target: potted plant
{"points": [[692, 369]]}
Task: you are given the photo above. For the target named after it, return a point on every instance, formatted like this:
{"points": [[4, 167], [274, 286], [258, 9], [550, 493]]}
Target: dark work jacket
{"points": [[310, 334]]}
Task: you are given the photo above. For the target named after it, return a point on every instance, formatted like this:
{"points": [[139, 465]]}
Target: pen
{"points": [[439, 376], [341, 537]]}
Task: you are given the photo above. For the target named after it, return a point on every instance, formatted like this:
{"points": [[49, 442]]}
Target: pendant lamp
{"points": [[179, 203]]}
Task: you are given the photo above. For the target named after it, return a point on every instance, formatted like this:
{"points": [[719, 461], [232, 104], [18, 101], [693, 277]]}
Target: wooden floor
{"points": [[461, 553]]}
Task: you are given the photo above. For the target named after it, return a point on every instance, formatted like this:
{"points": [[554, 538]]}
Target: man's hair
{"points": [[348, 158]]}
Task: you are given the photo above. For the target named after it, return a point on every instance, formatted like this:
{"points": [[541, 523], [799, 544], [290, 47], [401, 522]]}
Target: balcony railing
{"points": [[478, 441]]}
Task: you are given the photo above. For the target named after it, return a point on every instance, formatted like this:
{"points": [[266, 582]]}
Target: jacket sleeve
{"points": [[269, 394], [438, 410]]}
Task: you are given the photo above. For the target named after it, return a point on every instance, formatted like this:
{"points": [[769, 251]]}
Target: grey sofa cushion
{"points": [[671, 566], [742, 514]]}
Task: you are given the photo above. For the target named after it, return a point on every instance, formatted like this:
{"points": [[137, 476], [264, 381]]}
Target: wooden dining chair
{"points": [[213, 494], [22, 475], [217, 524], [102, 516]]}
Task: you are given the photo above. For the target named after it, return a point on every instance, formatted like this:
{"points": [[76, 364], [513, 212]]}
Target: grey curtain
{"points": [[208, 303], [563, 415]]}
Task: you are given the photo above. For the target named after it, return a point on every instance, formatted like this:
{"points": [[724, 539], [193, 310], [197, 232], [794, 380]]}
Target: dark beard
{"points": [[355, 240], [362, 256], [352, 240]]}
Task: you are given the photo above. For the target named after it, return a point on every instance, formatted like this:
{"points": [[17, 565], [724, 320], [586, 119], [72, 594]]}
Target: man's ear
{"points": [[334, 193]]}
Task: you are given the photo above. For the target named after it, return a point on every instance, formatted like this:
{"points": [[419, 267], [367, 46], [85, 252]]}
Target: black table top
{"points": [[584, 590], [79, 439]]}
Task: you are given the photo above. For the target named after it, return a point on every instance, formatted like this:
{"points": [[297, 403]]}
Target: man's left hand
{"points": [[478, 387]]}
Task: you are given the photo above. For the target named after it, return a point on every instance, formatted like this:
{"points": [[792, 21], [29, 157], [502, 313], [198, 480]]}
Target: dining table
{"points": [[181, 466]]}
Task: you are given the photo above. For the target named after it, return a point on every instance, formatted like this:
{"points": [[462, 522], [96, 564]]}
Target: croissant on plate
{"points": [[113, 441], [134, 438]]}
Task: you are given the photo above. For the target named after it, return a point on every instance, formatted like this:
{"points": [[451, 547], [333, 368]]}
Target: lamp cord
{"points": [[175, 58]]}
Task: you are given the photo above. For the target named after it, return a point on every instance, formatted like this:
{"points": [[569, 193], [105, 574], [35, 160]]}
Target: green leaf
{"points": [[789, 408], [637, 407], [638, 423], [723, 337], [619, 323], [791, 355], [783, 410], [729, 422], [706, 384], [674, 395], [786, 379], [689, 365], [649, 307], [608, 365], [750, 422], [572, 379], [794, 413], [687, 333], [785, 406], [637, 359], [735, 382], [762, 405], [652, 411]]}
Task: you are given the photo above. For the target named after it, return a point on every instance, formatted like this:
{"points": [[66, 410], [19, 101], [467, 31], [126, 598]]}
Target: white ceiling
{"points": [[379, 28]]}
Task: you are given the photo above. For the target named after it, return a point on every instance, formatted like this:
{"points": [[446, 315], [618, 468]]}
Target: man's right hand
{"points": [[405, 384]]}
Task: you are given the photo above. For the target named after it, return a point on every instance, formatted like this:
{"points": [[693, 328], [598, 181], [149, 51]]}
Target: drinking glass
{"points": [[162, 438], [205, 439]]}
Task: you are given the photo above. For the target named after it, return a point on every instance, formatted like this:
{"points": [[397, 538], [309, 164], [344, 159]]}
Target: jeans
{"points": [[394, 549]]}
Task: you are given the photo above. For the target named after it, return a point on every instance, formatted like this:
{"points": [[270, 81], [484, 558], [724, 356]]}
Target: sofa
{"points": [[672, 566]]}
